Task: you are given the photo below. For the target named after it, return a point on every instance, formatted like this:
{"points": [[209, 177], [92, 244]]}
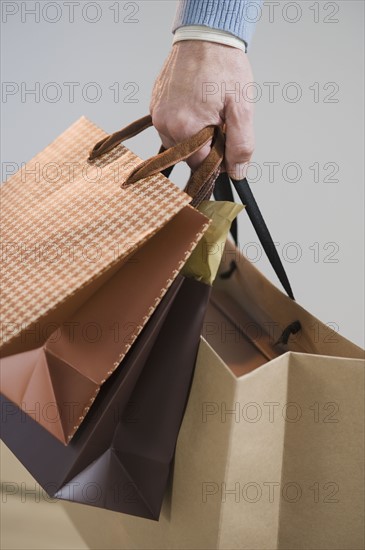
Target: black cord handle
{"points": [[223, 191]]}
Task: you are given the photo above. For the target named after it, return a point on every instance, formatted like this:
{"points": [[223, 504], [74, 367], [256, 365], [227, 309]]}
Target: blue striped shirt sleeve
{"points": [[237, 17]]}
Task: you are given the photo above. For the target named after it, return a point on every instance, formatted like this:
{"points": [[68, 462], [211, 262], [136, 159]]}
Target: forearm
{"points": [[236, 17]]}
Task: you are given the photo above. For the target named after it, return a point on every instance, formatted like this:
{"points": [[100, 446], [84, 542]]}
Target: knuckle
{"points": [[179, 125], [176, 124], [243, 151]]}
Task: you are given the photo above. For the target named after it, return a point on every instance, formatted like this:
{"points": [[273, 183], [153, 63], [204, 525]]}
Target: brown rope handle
{"points": [[109, 142], [171, 156], [201, 182]]}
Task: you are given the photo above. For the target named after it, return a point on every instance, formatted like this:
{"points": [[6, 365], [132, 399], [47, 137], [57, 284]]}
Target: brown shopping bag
{"points": [[120, 458], [124, 448], [145, 232], [271, 450]]}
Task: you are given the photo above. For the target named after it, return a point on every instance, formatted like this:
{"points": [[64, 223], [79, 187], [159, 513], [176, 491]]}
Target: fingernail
{"points": [[238, 171]]}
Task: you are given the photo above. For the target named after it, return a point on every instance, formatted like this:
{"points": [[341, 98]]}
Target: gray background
{"points": [[324, 46]]}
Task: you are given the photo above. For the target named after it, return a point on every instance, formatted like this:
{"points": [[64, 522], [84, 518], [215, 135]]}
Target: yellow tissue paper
{"points": [[204, 262]]}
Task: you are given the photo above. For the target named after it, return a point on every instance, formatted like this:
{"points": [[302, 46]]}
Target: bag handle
{"points": [[223, 191], [109, 142], [201, 183]]}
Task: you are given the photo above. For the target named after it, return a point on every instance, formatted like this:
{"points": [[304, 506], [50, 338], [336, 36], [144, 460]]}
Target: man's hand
{"points": [[203, 83]]}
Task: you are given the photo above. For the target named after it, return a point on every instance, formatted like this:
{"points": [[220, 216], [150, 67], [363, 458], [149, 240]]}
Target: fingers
{"points": [[165, 140], [179, 111], [197, 158], [194, 160], [240, 139], [175, 128]]}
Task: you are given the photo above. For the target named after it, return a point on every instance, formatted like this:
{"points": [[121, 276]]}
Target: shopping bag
{"points": [[123, 450], [67, 226], [154, 230], [124, 453], [270, 453], [105, 452]]}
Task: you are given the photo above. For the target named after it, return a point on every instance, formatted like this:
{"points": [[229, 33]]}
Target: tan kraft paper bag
{"points": [[271, 451]]}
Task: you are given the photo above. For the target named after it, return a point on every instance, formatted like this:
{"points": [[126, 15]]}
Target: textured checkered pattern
{"points": [[66, 221]]}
